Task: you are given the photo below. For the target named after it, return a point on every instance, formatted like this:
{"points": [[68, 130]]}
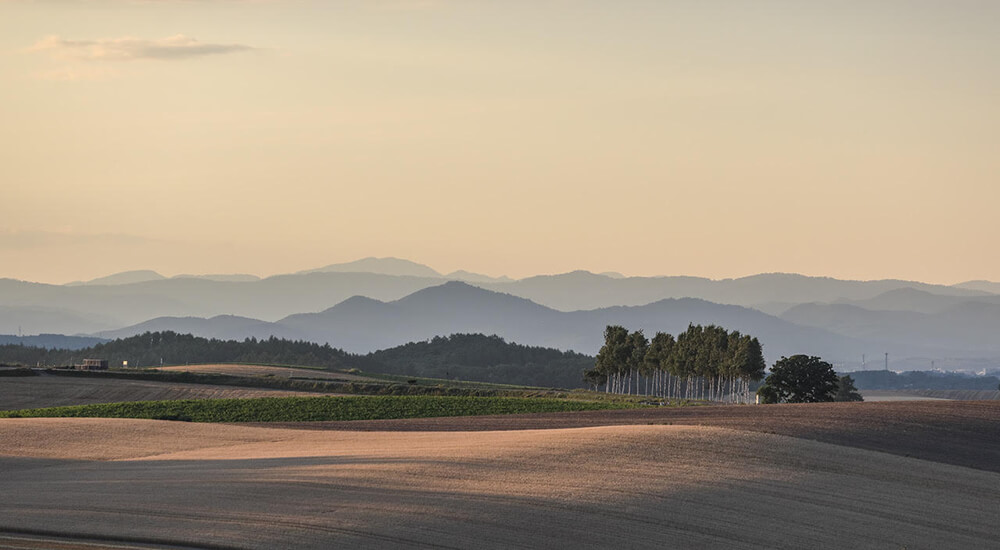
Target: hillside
{"points": [[381, 266], [123, 278], [50, 341], [134, 300], [921, 301], [485, 359], [363, 325], [221, 327], [963, 329], [362, 312], [156, 348], [584, 290]]}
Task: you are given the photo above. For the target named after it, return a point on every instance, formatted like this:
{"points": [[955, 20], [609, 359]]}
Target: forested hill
{"points": [[483, 358], [170, 348], [473, 357]]}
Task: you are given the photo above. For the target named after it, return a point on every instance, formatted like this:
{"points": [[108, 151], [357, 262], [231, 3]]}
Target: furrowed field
{"points": [[301, 409]]}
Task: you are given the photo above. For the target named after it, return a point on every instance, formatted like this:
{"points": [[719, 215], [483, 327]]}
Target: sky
{"points": [[851, 139]]}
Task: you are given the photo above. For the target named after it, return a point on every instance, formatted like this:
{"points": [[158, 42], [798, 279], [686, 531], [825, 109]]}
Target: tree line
{"points": [[708, 363], [170, 348]]}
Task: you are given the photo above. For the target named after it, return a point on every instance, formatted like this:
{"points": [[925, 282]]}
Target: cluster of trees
{"points": [[700, 363], [482, 358], [806, 379]]}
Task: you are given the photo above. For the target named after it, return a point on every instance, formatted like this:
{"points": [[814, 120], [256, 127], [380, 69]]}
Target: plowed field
{"points": [[705, 477], [156, 483]]}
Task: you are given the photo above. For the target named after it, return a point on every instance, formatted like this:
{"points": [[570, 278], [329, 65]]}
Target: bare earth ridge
{"points": [[963, 433]]}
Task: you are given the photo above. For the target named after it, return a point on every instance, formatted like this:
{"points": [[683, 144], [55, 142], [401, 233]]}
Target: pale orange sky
{"points": [[852, 139]]}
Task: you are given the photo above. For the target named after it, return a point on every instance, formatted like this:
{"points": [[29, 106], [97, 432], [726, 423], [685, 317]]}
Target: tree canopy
{"points": [[799, 379], [482, 358]]}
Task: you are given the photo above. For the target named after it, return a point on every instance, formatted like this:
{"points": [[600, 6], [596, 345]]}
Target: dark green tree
{"points": [[801, 379], [594, 378], [846, 391], [657, 362], [638, 346], [613, 358]]}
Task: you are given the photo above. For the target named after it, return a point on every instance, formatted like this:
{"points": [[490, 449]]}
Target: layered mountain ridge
{"points": [[397, 301]]}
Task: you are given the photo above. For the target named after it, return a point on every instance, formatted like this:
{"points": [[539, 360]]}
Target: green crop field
{"points": [[299, 409]]}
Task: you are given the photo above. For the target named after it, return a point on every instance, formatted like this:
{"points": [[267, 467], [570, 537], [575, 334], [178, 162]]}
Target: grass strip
{"points": [[305, 409]]}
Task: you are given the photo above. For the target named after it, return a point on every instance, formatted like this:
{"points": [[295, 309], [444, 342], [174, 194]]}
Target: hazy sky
{"points": [[853, 139]]}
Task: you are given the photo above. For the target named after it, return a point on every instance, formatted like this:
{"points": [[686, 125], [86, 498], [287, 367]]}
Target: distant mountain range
{"points": [[362, 325], [376, 303], [145, 275]]}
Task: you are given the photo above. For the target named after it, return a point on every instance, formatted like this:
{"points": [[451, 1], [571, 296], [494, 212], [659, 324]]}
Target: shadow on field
{"points": [[963, 433]]}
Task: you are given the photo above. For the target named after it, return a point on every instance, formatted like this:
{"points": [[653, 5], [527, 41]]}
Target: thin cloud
{"points": [[129, 49]]}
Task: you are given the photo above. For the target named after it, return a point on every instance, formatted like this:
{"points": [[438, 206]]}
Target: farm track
{"points": [[962, 433]]}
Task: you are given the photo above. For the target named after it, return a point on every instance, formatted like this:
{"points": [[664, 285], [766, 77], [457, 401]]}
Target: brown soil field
{"points": [[262, 370], [31, 392], [145, 483], [963, 433]]}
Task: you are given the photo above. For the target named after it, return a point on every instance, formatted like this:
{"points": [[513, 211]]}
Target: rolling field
{"points": [[145, 483], [264, 370], [789, 476], [31, 392], [962, 433]]}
